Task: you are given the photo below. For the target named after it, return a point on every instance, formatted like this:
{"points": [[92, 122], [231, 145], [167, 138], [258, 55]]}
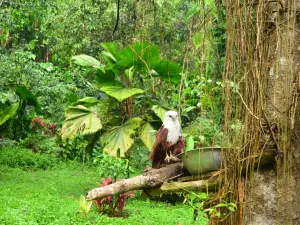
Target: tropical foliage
{"points": [[90, 81]]}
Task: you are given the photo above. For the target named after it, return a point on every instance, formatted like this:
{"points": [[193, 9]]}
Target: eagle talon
{"points": [[170, 158]]}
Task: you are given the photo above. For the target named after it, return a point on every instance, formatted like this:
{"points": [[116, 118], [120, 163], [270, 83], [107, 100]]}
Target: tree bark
{"points": [[273, 196]]}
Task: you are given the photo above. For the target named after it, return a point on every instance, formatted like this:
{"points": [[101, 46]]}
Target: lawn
{"points": [[51, 197]]}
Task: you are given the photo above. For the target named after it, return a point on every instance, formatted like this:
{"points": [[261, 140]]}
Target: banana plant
{"points": [[116, 79]]}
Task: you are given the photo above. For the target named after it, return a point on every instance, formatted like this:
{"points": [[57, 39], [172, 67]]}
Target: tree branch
{"points": [[149, 179]]}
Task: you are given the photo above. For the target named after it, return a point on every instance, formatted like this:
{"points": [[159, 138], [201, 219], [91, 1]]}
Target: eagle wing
{"points": [[180, 146], [159, 149]]}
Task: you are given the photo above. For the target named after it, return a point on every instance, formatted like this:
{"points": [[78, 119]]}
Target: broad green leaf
{"points": [[203, 196], [87, 101], [119, 138], [149, 53], [140, 54], [120, 93], [30, 98], [111, 50], [168, 70], [79, 120], [159, 111], [193, 10], [109, 58], [188, 109], [86, 60], [7, 111], [189, 143], [197, 39], [147, 134], [127, 59], [105, 78]]}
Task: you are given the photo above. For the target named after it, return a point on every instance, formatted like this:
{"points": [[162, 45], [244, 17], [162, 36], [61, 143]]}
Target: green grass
{"points": [[51, 197]]}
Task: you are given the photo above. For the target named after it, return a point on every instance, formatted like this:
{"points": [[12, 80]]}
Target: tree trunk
{"points": [[273, 196], [263, 60]]}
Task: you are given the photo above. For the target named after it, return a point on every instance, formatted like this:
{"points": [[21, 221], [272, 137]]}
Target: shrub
{"points": [[6, 142], [26, 159], [107, 165], [205, 132], [138, 157]]}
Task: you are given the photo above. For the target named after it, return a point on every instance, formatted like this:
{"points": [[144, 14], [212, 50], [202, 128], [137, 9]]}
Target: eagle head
{"points": [[171, 117]]}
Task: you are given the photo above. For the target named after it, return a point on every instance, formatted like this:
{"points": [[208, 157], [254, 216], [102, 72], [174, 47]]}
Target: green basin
{"points": [[202, 160]]}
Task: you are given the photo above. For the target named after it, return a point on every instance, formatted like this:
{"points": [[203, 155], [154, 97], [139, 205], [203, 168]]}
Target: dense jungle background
{"points": [[85, 84]]}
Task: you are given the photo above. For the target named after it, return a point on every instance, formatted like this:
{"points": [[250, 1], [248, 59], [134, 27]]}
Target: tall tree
{"points": [[262, 59]]}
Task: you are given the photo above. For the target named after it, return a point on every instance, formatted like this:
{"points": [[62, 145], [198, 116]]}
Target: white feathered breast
{"points": [[174, 131]]}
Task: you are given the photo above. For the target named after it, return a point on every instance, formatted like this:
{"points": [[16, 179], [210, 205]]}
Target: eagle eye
{"points": [[170, 116]]}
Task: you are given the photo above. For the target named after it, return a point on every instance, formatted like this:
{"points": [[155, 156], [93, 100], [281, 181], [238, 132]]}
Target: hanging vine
{"points": [[259, 48]]}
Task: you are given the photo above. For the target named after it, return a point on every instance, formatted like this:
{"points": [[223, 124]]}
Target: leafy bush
{"points": [[41, 143], [138, 157], [5, 143], [215, 209], [26, 159], [107, 165], [204, 132], [44, 80]]}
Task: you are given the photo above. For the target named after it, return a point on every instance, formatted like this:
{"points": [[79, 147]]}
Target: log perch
{"points": [[155, 181], [149, 179]]}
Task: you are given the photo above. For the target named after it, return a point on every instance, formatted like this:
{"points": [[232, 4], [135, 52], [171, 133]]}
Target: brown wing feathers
{"points": [[161, 146], [179, 147], [159, 149]]}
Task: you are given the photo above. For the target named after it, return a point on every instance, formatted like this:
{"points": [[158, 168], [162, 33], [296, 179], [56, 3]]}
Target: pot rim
{"points": [[216, 148]]}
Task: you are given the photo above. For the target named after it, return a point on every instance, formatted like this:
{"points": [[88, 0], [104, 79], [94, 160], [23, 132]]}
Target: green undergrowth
{"points": [[51, 197], [26, 159]]}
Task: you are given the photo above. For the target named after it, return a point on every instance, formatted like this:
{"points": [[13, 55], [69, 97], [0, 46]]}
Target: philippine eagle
{"points": [[169, 141]]}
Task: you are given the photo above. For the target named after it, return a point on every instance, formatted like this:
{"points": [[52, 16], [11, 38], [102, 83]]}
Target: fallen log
{"points": [[173, 187], [154, 181], [149, 179], [187, 186]]}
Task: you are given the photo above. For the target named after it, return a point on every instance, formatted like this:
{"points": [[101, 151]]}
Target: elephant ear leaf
{"points": [[119, 138], [79, 120], [87, 61], [120, 93], [148, 135], [7, 111], [30, 98], [87, 102], [159, 111], [168, 71]]}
